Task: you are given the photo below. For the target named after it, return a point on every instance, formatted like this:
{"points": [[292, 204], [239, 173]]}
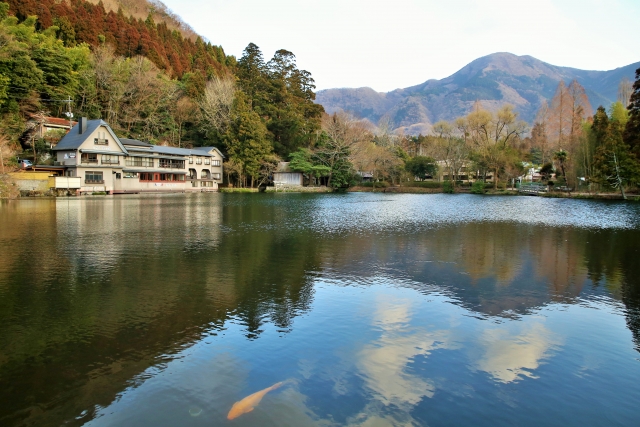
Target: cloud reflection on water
{"points": [[384, 364], [511, 354]]}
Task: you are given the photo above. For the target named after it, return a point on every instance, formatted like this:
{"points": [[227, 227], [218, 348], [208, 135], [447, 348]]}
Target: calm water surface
{"points": [[374, 309]]}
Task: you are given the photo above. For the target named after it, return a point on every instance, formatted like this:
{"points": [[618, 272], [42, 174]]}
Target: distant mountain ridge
{"points": [[494, 80]]}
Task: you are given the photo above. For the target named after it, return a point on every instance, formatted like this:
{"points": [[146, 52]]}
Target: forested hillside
{"points": [[79, 21], [149, 83], [152, 83]]}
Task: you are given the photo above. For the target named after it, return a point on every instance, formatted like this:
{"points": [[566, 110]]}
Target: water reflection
{"points": [[385, 362], [377, 306], [510, 355]]}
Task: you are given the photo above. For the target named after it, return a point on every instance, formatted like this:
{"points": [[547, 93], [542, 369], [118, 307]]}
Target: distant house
{"points": [[464, 173], [285, 176], [92, 152], [366, 176], [37, 127]]}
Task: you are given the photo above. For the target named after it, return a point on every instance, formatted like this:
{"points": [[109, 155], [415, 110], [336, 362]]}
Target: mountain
{"points": [[494, 80], [140, 9]]}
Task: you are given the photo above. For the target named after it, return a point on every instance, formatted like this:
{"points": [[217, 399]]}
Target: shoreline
{"points": [[633, 197]]}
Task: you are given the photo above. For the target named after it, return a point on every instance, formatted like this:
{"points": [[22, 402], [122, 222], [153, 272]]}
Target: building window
{"points": [[70, 172], [207, 161], [193, 174], [146, 176], [139, 161], [215, 162], [109, 159], [89, 158], [207, 183], [93, 177], [216, 175], [130, 174], [190, 160], [101, 139], [205, 174], [172, 164], [198, 160]]}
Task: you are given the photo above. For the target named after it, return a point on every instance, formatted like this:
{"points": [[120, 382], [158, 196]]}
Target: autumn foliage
{"points": [[79, 21]]}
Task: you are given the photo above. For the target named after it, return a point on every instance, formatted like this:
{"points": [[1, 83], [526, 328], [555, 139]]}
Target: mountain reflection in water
{"points": [[384, 309]]}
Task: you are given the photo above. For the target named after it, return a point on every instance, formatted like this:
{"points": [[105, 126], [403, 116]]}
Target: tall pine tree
{"points": [[632, 130], [615, 166]]}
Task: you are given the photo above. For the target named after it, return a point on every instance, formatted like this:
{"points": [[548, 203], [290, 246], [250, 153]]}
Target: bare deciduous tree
{"points": [[625, 89], [185, 111], [216, 102], [492, 136], [344, 135]]}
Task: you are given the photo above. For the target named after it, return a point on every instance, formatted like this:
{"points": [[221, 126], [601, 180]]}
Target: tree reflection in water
{"points": [[95, 292]]}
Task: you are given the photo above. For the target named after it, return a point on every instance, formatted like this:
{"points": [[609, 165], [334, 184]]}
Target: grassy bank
{"points": [[237, 190], [8, 188]]}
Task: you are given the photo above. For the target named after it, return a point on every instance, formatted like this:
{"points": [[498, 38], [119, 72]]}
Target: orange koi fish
{"points": [[250, 402]]}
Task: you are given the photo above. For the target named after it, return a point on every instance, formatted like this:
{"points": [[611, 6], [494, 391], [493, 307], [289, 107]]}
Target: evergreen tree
{"points": [[293, 116], [246, 139], [614, 164], [303, 161], [632, 130], [252, 76], [421, 166]]}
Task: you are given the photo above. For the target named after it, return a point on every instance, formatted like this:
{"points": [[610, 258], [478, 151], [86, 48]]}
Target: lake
{"points": [[371, 309]]}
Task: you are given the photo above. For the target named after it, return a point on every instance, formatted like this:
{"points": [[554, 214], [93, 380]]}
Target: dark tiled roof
{"points": [[161, 149], [135, 142], [73, 139], [207, 149]]}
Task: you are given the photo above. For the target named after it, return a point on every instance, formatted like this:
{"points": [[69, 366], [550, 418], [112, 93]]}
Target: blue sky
{"points": [[393, 44]]}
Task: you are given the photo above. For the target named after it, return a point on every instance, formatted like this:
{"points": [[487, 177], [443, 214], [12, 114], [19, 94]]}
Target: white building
{"points": [[101, 162]]}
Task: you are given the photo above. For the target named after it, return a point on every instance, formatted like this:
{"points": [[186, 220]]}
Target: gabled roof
{"points": [[73, 139], [208, 149], [52, 121]]}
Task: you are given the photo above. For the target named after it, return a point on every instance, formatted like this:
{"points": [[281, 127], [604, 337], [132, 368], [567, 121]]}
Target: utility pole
{"points": [[69, 113]]}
